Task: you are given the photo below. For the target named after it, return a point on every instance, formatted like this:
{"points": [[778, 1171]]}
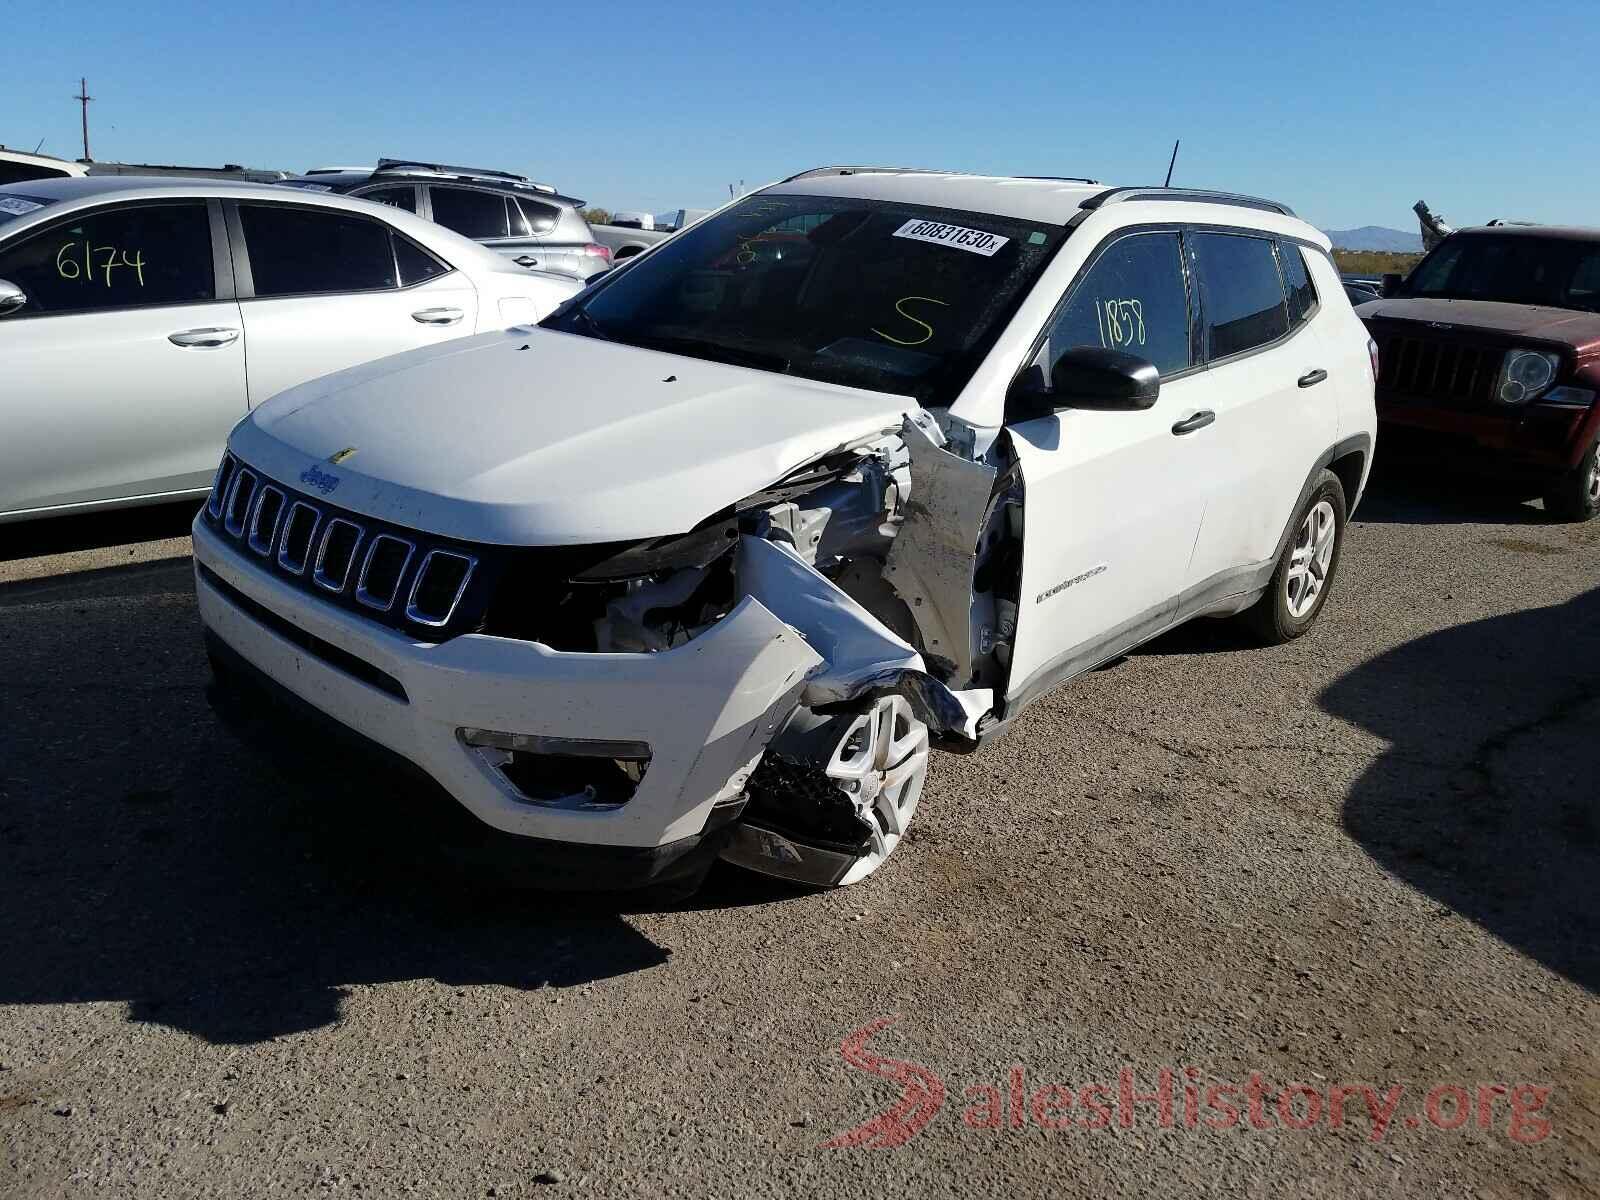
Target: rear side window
{"points": [[541, 218], [1133, 298], [472, 214], [297, 251], [1242, 292], [395, 197], [123, 258], [15, 172], [415, 263], [1297, 283]]}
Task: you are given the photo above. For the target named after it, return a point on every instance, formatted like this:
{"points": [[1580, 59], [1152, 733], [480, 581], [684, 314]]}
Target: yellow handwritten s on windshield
{"points": [[899, 308]]}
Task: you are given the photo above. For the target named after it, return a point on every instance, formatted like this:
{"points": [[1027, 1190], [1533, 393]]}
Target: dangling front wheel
{"points": [[834, 795]]}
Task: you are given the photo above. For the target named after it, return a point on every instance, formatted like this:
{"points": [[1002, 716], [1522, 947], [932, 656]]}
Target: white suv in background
{"points": [[863, 463], [140, 318]]}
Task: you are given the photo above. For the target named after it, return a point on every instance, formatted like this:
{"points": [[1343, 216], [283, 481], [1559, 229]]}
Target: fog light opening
{"points": [[555, 772]]}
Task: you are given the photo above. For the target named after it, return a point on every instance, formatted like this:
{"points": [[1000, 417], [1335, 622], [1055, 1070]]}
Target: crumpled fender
{"points": [[931, 561], [862, 657]]}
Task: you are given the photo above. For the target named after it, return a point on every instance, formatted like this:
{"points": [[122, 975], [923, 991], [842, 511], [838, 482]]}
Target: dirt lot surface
{"points": [[1369, 858]]}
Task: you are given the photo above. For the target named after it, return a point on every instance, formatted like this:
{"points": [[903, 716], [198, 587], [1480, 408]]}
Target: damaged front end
{"points": [[897, 561]]}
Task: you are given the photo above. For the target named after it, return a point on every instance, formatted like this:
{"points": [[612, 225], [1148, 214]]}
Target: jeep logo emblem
{"points": [[321, 480]]}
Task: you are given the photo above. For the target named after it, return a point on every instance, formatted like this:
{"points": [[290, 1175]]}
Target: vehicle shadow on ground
{"points": [[1486, 798], [62, 535], [148, 859], [1414, 491]]}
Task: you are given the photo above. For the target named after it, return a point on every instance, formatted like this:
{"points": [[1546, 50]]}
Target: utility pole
{"points": [[83, 99]]}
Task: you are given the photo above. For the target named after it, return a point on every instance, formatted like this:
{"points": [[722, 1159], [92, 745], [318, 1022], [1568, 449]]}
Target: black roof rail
{"points": [[1060, 179], [1197, 195]]}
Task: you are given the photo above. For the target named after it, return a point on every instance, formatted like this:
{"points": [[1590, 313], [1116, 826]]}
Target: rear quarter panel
{"points": [[1345, 338]]}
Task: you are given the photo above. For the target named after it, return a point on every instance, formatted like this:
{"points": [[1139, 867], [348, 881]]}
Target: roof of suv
{"points": [[1056, 200]]}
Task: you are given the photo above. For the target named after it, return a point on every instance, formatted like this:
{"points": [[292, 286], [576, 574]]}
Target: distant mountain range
{"points": [[1375, 237]]}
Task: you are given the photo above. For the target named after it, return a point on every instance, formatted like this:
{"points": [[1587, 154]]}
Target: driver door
{"points": [[1113, 500]]}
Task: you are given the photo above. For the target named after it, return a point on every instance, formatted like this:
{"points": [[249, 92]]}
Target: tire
{"points": [[1308, 564], [1575, 496], [834, 795]]}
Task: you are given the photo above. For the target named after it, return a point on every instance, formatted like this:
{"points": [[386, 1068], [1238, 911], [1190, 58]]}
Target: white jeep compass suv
{"points": [[861, 465]]}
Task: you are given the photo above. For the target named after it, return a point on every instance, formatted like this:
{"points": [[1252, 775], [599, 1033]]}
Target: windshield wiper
{"points": [[691, 347], [581, 315]]}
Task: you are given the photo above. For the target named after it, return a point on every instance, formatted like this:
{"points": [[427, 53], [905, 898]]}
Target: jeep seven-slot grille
{"points": [[1457, 373], [431, 587]]}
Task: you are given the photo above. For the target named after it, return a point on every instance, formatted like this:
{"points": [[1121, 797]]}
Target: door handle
{"points": [[1312, 378], [526, 260], [437, 316], [1199, 421], [204, 339]]}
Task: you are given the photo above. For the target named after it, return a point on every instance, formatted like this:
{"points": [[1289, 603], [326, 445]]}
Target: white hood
{"points": [[530, 437]]}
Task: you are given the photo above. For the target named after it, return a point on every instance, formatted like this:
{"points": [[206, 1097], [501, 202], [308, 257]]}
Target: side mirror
{"points": [[1088, 377], [11, 297], [1391, 284]]}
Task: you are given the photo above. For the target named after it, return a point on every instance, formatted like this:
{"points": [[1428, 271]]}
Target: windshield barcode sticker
{"points": [[17, 206], [974, 240]]}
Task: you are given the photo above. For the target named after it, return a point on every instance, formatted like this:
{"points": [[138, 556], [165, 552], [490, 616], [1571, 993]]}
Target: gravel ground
{"points": [[1367, 858]]}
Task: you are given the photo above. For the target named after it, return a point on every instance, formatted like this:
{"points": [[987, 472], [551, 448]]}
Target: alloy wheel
{"points": [[881, 762], [1311, 560]]}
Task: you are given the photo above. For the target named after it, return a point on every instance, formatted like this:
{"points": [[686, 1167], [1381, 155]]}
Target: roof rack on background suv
{"points": [[409, 164], [1198, 195]]}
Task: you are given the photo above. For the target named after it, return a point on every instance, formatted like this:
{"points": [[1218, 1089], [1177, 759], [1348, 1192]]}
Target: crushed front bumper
{"points": [[706, 709]]}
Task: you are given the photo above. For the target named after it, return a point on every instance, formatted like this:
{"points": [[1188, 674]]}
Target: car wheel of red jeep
{"points": [[1576, 495]]}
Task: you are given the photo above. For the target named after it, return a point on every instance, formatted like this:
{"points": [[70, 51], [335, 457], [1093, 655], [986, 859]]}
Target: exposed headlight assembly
{"points": [[1525, 375]]}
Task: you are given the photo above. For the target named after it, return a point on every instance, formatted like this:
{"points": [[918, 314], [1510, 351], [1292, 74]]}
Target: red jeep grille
{"points": [[1438, 369]]}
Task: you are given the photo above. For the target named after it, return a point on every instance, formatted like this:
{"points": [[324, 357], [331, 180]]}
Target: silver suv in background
{"points": [[530, 223], [631, 233]]}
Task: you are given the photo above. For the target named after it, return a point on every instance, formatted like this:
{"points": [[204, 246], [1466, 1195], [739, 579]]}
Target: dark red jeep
{"points": [[1489, 351]]}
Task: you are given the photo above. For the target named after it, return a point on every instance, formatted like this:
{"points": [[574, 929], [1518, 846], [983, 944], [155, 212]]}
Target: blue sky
{"points": [[1350, 112]]}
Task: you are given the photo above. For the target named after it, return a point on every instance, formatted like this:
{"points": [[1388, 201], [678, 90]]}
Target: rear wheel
{"points": [[1305, 571], [1576, 495]]}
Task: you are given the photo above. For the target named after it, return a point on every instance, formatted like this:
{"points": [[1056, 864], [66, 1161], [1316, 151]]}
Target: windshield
{"points": [[893, 297], [15, 204], [1516, 269]]}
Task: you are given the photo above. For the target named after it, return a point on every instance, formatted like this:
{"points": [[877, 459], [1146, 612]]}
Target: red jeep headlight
{"points": [[1525, 375]]}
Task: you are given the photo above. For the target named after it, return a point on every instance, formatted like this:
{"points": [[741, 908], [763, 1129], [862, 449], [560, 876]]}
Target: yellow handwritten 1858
{"points": [[77, 260]]}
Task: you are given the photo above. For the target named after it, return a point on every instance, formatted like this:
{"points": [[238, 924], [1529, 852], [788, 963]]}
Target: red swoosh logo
{"points": [[921, 1097]]}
